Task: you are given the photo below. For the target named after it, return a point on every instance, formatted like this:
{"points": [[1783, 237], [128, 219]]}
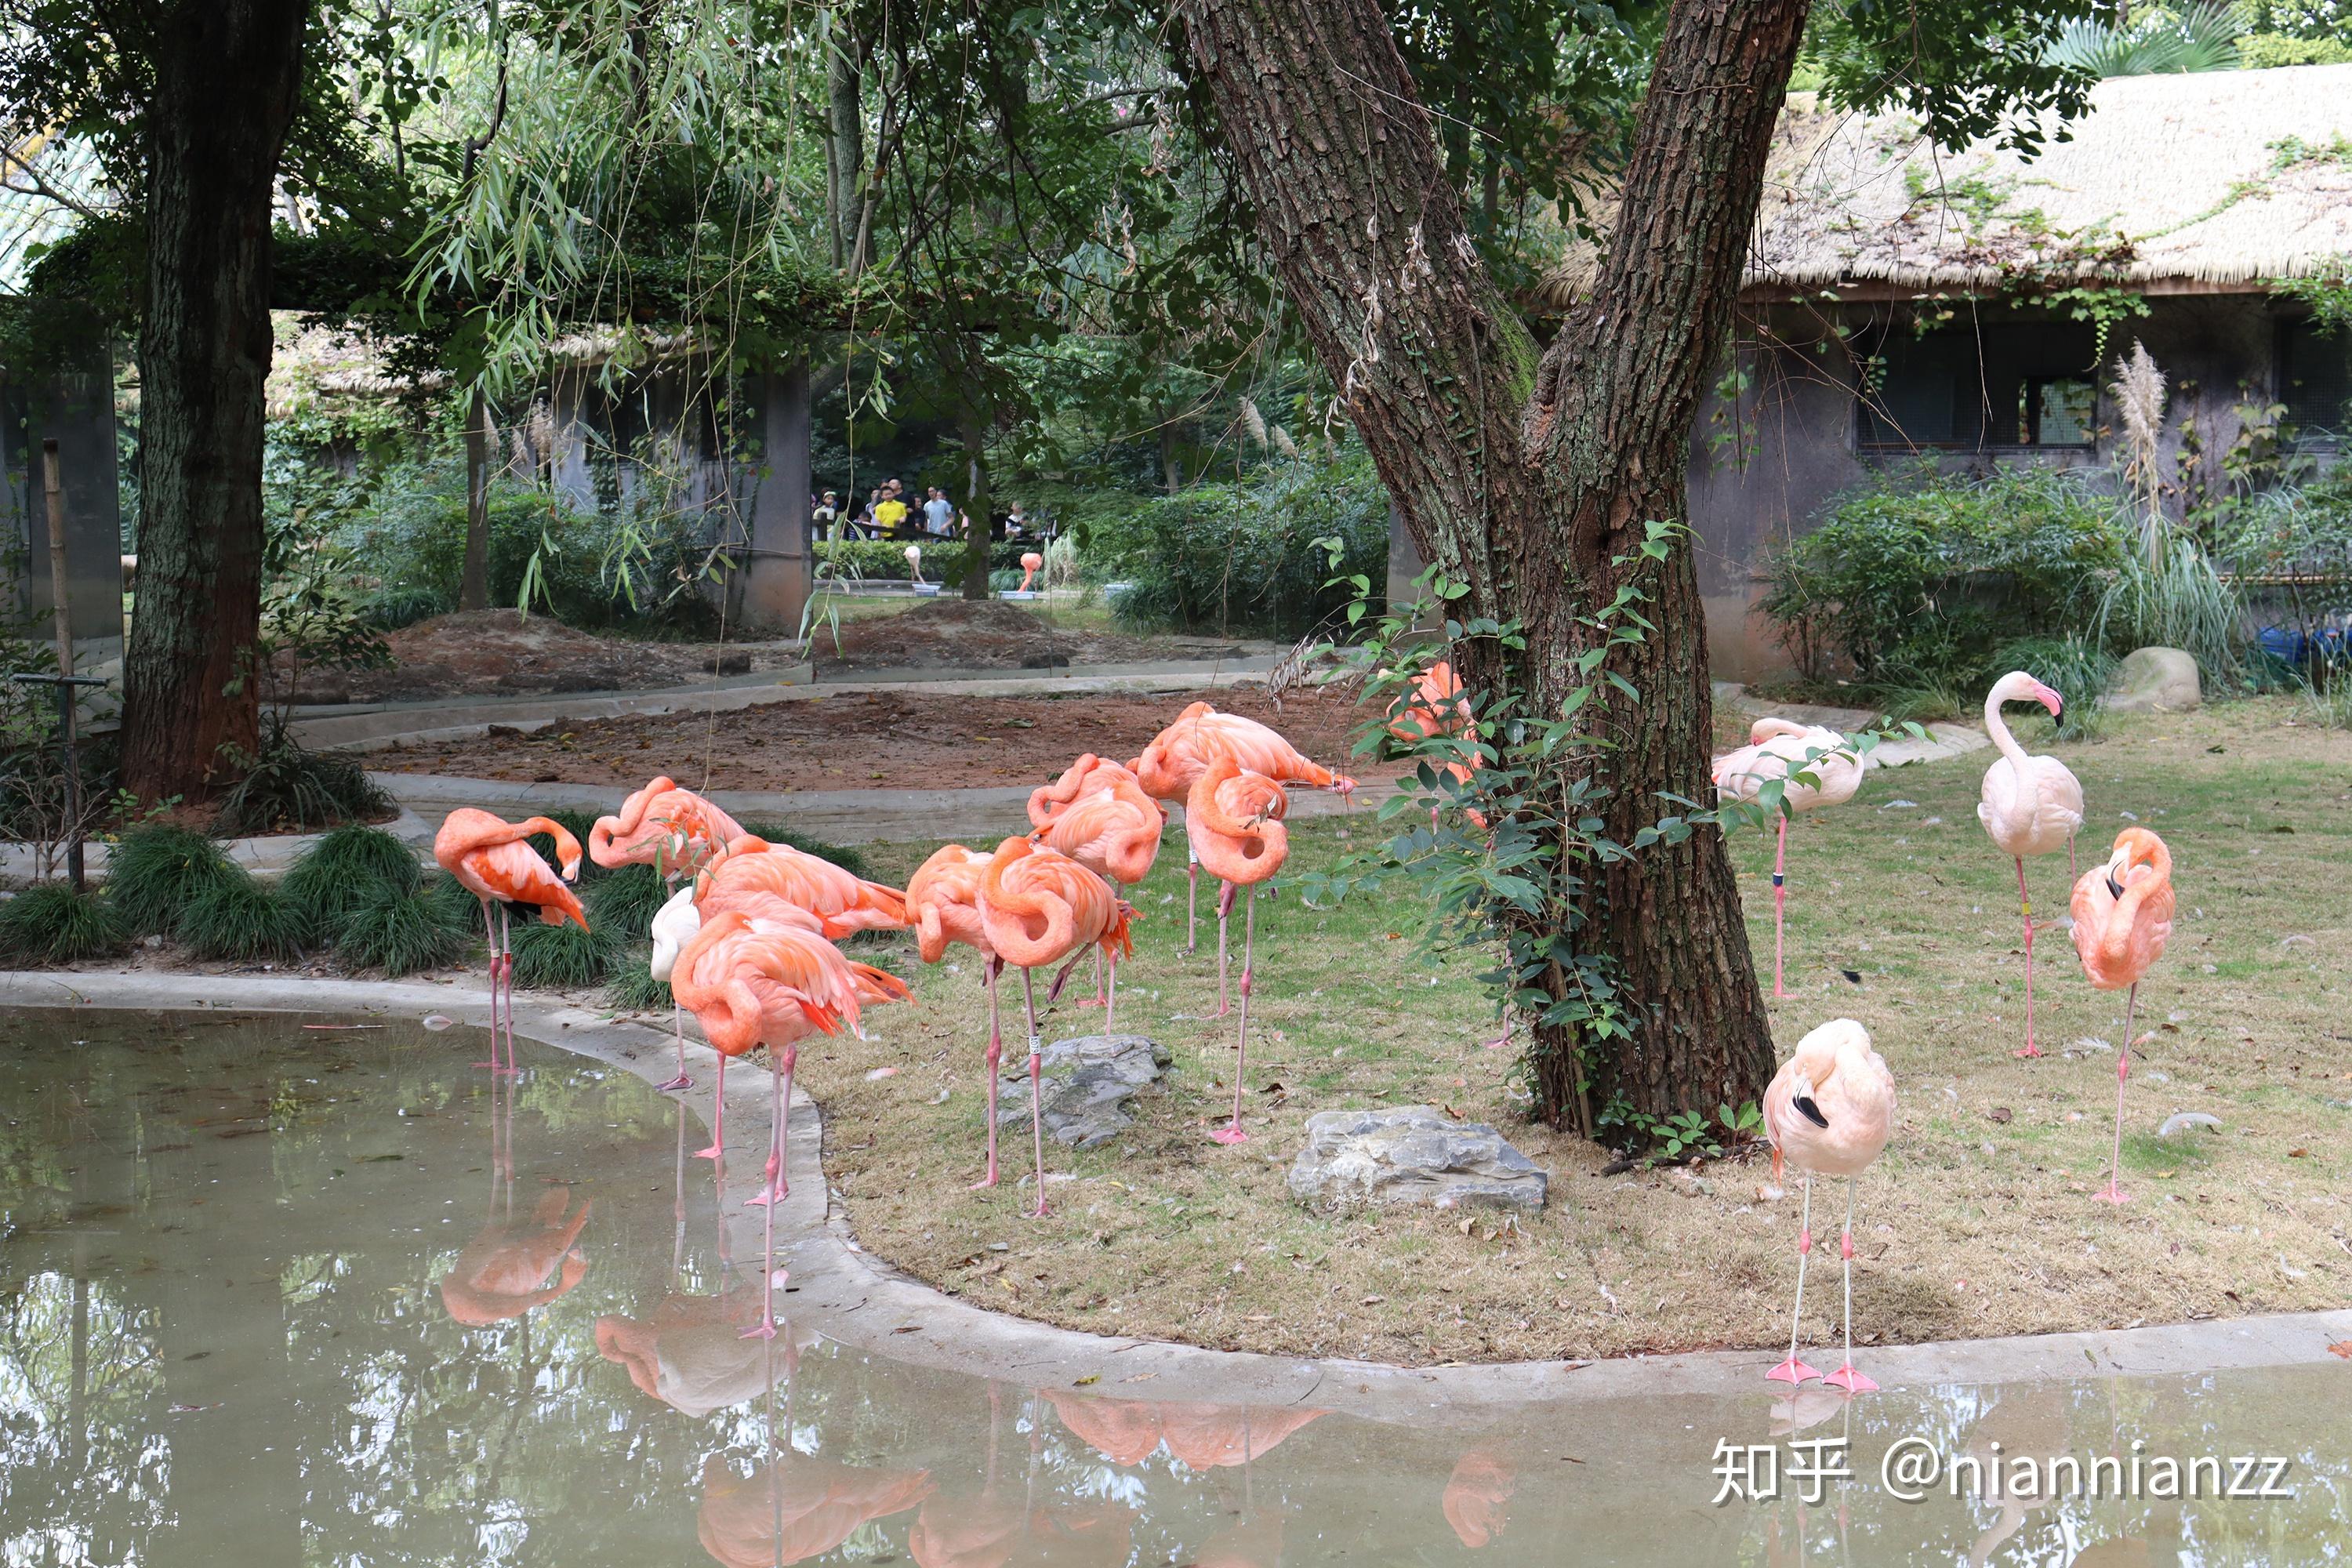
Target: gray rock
{"points": [[1085, 1085], [1415, 1154], [2182, 1122], [2155, 681]]}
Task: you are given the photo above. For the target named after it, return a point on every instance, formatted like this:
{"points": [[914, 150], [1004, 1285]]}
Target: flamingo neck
{"points": [[1998, 728]]}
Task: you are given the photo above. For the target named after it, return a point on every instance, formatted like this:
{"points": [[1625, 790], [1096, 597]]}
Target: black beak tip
{"points": [[2113, 886], [1806, 1108]]}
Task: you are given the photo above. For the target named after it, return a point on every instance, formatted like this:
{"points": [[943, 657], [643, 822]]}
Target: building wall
{"points": [[75, 409]]}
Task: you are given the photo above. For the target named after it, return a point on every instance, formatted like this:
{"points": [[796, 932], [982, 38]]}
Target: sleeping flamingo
{"points": [[1038, 908], [915, 561], [491, 861], [755, 877], [943, 906], [1828, 1111], [1437, 708], [2030, 805], [1113, 831], [674, 831], [1031, 565], [2123, 917], [1178, 753], [1815, 766], [1233, 819]]}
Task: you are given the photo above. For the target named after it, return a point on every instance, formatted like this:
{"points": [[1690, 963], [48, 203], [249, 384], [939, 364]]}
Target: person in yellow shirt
{"points": [[889, 511]]}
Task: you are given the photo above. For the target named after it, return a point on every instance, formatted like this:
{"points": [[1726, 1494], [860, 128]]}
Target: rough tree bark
{"points": [[227, 75], [845, 135], [1530, 477], [474, 576]]}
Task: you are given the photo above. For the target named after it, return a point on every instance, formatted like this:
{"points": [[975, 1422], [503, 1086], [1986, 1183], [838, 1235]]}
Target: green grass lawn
{"points": [[1977, 1221]]}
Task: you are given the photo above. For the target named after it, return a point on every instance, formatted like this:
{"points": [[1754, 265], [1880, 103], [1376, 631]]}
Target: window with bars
{"points": [[2315, 383], [2011, 385]]}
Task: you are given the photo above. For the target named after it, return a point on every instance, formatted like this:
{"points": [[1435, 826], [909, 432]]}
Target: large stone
{"points": [[1415, 1154], [1087, 1085], [2155, 681]]}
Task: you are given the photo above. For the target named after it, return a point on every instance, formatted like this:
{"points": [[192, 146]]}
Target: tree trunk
{"points": [[1530, 479], [1171, 478], [474, 580], [225, 80], [973, 430], [844, 139]]}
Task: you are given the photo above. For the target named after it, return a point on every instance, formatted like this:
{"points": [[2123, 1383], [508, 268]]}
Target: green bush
{"points": [[2178, 600], [156, 872], [51, 923], [453, 904], [885, 560], [2267, 51], [1249, 558], [564, 956], [2078, 667], [634, 988], [347, 868], [626, 901], [284, 784], [399, 932], [241, 921], [1917, 577]]}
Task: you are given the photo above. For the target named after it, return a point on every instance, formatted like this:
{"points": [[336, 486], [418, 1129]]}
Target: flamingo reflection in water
{"points": [[1478, 1496], [513, 1266], [1204, 1437], [996, 1526]]}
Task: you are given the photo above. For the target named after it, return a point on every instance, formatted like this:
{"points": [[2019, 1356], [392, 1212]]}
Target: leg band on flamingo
{"points": [[1792, 1371], [1779, 900]]}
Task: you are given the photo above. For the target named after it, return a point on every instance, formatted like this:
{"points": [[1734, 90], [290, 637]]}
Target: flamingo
{"points": [[943, 906], [770, 986], [689, 1352], [1113, 831], [915, 560], [1815, 767], [1031, 565], [1233, 819], [674, 831], [757, 878], [1476, 1500], [1039, 907], [2030, 805], [491, 861], [1178, 754], [2122, 916], [1828, 1111]]}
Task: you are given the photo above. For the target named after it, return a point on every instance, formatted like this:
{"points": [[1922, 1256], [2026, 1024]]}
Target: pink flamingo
{"points": [[2030, 805], [674, 831], [943, 906], [1031, 565], [1814, 767], [1038, 906], [757, 878], [491, 861], [1828, 1111], [1113, 831], [2123, 917], [1233, 819], [1178, 754]]}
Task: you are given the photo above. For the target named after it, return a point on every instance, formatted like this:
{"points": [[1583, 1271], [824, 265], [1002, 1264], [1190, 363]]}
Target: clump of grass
{"points": [[562, 956], [2331, 705], [453, 905], [626, 901], [2174, 598], [849, 859], [283, 785], [633, 988], [158, 871], [2078, 668], [241, 921], [51, 923], [349, 866], [399, 932]]}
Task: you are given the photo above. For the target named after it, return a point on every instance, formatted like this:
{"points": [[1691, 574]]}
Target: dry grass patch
{"points": [[1976, 1222]]}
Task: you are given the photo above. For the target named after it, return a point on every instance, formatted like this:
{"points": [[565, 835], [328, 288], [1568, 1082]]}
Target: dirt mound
{"points": [[991, 634], [504, 652]]}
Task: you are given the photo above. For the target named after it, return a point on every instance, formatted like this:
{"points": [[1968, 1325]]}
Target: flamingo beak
{"points": [[2115, 884], [2049, 698], [1803, 1103]]}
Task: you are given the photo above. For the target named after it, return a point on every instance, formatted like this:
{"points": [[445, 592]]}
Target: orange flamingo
{"points": [[1179, 753], [491, 861], [1828, 1111], [1113, 831], [1233, 820], [943, 906], [1038, 906], [2123, 917], [674, 831], [1031, 565], [1435, 707], [770, 986], [752, 876], [1084, 777]]}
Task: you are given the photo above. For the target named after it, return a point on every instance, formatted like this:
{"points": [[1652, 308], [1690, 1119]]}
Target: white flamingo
{"points": [[2030, 805], [1817, 766]]}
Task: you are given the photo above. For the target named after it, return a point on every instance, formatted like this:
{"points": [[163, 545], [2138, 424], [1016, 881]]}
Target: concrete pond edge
{"points": [[854, 1298]]}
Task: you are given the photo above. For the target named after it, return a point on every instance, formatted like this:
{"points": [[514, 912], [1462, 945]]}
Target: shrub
{"points": [[626, 901], [284, 784], [399, 932], [51, 923], [2077, 667], [885, 560], [241, 921], [156, 872], [564, 956], [348, 866], [2178, 600], [453, 905], [634, 988], [390, 609], [1918, 576]]}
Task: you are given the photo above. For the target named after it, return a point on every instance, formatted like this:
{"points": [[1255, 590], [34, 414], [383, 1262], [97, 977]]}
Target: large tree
{"points": [[1530, 476]]}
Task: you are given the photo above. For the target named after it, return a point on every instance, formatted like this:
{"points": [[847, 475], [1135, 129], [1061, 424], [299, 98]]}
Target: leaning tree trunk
{"points": [[227, 75], [974, 431], [1532, 476]]}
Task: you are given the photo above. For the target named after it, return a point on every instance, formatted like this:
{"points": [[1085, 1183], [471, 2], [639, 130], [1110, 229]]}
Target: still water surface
{"points": [[276, 1296]]}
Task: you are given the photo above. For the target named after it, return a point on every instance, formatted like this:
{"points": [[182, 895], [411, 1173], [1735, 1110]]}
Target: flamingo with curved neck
{"points": [[2122, 916], [1813, 766], [2029, 806]]}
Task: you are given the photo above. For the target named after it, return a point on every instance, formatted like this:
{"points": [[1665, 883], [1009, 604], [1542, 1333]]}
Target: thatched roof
{"points": [[2204, 182]]}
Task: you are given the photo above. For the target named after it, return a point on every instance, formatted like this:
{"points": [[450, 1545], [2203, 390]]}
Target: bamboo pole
{"points": [[54, 490]]}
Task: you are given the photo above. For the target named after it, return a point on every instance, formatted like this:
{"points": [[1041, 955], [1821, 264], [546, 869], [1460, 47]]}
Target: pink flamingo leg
{"points": [[779, 1099], [1224, 908], [2025, 904], [490, 934], [1792, 1371], [1037, 1096], [1234, 1134], [1192, 897], [681, 1082], [1845, 1378], [778, 1186], [718, 1116], [506, 964], [1110, 996], [2114, 1192], [1779, 900], [988, 967]]}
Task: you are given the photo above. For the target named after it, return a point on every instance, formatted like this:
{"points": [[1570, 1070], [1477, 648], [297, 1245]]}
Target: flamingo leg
{"points": [[1792, 1371], [506, 967], [1036, 1095], [1779, 900], [777, 1187], [988, 967], [1845, 1378], [2114, 1192], [1110, 996], [718, 1116], [2025, 905], [1191, 895], [1224, 908], [677, 1022], [779, 1097], [1234, 1134], [490, 934]]}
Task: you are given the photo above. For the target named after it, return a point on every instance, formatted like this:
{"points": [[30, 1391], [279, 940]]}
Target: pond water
{"points": [[275, 1295]]}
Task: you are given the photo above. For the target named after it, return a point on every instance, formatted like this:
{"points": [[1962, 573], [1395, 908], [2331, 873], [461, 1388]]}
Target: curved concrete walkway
{"points": [[851, 1297]]}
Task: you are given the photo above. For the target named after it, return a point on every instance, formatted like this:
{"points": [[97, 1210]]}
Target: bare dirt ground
{"points": [[888, 740], [502, 652], [991, 634]]}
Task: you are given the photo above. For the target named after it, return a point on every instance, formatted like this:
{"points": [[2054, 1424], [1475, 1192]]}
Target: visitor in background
{"points": [[889, 511], [1016, 524], [939, 515], [825, 516]]}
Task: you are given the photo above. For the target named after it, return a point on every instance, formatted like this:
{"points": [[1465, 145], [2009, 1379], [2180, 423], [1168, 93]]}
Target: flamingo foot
{"points": [[1232, 1133], [676, 1085], [1853, 1382], [765, 1330], [711, 1153], [2111, 1193], [2028, 1054], [505, 1072], [1040, 1212], [768, 1196], [1791, 1372], [987, 1181]]}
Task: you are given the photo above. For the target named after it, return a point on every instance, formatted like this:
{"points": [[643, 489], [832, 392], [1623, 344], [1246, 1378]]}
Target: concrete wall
{"points": [[75, 409]]}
